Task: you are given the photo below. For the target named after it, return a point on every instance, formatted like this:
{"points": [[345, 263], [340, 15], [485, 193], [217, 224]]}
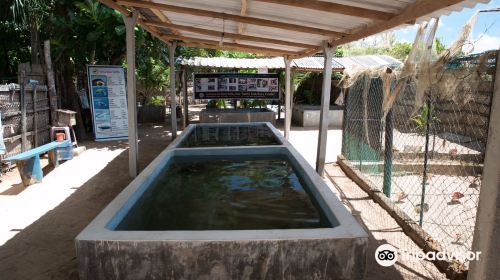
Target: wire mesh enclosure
{"points": [[428, 159]]}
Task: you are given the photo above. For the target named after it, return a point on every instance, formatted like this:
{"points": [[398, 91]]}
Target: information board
{"points": [[108, 98], [236, 86]]}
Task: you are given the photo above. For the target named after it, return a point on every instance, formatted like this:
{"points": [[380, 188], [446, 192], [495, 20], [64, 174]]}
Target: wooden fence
{"points": [[26, 118]]}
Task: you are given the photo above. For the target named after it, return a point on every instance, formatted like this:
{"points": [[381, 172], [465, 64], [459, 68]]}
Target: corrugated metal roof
{"points": [[312, 63], [240, 63], [351, 63], [315, 63], [275, 27]]}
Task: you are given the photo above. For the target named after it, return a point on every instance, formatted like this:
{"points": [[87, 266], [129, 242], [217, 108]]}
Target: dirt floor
{"points": [[45, 249], [41, 241], [382, 229]]}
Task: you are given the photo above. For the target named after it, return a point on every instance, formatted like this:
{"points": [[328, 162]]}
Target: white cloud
{"points": [[485, 42], [408, 29]]}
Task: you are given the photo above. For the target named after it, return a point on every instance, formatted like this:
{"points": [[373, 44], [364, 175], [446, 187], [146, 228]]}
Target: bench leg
{"points": [[54, 157], [30, 170]]}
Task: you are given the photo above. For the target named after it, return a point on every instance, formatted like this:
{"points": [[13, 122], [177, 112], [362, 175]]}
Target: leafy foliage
{"points": [[421, 118], [400, 50], [13, 50], [217, 103], [439, 46], [87, 32]]}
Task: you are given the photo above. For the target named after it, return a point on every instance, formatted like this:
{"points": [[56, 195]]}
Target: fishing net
{"points": [[432, 112]]}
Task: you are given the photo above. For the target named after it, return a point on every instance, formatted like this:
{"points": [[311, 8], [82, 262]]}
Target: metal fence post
{"points": [[426, 157], [388, 153]]}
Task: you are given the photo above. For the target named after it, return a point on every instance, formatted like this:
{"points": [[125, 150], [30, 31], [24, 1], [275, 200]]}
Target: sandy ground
{"points": [[39, 223], [452, 224], [382, 229], [73, 194]]}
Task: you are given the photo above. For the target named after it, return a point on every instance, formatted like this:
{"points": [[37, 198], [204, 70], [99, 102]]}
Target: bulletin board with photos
{"points": [[236, 86]]}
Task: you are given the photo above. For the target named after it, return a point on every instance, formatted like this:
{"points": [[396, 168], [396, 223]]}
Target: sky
{"points": [[485, 35]]}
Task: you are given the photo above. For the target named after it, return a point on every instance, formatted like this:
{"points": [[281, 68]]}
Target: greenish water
{"points": [[225, 194], [220, 136]]}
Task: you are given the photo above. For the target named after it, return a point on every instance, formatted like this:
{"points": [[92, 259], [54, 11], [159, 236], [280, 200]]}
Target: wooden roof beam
{"points": [[229, 35], [243, 12], [231, 46], [231, 17], [151, 29], [113, 5], [334, 8], [409, 14], [163, 18], [226, 47]]}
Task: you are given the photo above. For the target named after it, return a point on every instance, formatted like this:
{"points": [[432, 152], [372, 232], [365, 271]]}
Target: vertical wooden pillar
{"points": [[186, 99], [22, 99], [292, 91], [52, 94], [328, 52], [487, 230], [288, 101], [35, 117], [173, 105], [133, 151]]}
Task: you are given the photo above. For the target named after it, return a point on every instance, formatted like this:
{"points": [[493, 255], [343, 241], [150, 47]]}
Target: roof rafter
{"points": [[236, 18], [409, 14], [225, 47], [247, 48], [229, 35], [112, 4], [334, 8], [162, 17], [243, 12]]}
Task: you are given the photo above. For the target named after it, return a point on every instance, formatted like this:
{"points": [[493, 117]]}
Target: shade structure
{"points": [[279, 27], [292, 29]]}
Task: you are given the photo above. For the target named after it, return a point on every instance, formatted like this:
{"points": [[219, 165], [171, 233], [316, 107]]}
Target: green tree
{"points": [[400, 50], [20, 24], [439, 46]]}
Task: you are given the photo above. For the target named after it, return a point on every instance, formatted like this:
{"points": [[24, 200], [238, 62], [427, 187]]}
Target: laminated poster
{"points": [[108, 101], [236, 86]]}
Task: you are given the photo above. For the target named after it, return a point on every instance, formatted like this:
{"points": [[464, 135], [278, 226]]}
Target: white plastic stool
{"points": [[68, 131]]}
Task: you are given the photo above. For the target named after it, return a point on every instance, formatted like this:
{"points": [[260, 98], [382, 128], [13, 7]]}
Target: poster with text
{"points": [[108, 95], [236, 86]]}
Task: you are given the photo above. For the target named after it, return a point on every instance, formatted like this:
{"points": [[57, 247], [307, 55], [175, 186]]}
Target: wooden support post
{"points": [[328, 52], [173, 105], [52, 94], [288, 101], [22, 98], [186, 99], [292, 91], [133, 152], [487, 228], [35, 121]]}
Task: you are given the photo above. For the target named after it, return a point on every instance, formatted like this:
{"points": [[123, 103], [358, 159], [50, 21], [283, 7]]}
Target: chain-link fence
{"points": [[428, 160]]}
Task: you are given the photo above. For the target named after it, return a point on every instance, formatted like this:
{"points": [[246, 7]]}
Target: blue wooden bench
{"points": [[28, 163]]}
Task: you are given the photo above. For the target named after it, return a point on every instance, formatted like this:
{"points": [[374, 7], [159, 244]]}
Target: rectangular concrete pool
{"points": [[228, 134], [245, 212]]}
